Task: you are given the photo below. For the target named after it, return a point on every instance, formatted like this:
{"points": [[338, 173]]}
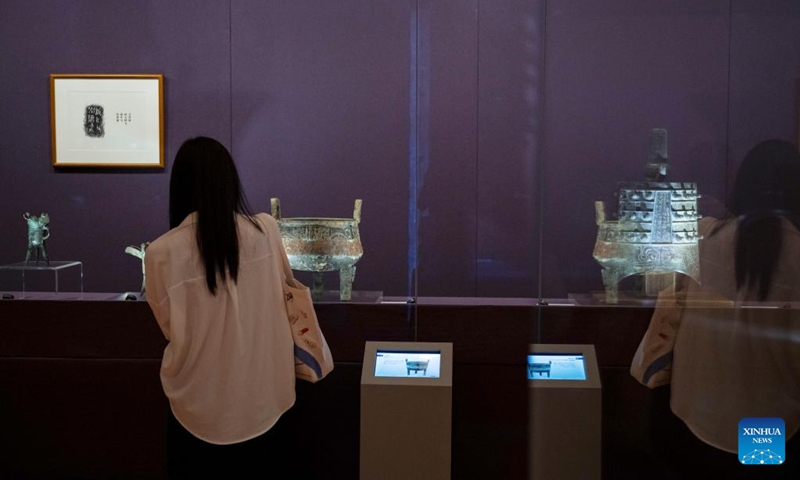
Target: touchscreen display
{"points": [[556, 366], [408, 364]]}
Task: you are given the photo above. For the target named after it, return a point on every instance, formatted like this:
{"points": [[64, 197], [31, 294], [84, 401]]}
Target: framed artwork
{"points": [[107, 120]]}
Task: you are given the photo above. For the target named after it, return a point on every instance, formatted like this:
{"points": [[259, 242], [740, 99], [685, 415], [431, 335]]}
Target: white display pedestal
{"points": [[565, 413], [406, 411]]}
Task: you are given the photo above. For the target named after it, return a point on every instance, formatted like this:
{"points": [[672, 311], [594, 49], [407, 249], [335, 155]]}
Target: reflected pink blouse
{"points": [[732, 363]]}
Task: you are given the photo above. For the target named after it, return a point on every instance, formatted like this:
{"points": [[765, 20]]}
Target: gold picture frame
{"points": [[107, 120]]}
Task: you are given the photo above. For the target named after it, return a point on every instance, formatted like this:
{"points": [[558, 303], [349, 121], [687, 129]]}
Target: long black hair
{"points": [[767, 189], [204, 180]]}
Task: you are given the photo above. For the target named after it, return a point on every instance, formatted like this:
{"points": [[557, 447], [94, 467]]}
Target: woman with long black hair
{"points": [[214, 283], [741, 362]]}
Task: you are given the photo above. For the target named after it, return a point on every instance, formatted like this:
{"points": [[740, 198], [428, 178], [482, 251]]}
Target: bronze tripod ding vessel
{"points": [[322, 245]]}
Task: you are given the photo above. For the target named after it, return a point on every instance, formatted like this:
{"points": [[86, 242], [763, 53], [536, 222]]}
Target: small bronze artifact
{"points": [[38, 233], [540, 368], [322, 245], [139, 253], [656, 229], [416, 366]]}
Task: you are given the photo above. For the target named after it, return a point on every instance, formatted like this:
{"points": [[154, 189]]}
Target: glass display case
{"points": [[480, 136]]}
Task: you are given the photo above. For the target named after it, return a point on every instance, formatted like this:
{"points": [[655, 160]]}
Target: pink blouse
{"points": [[228, 369]]}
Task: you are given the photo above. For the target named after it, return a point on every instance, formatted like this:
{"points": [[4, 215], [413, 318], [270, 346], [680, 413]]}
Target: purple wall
{"points": [[96, 214], [614, 70], [764, 75], [719, 75], [477, 133], [481, 71], [321, 117]]}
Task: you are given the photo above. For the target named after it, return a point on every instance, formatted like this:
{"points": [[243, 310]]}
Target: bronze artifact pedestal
{"points": [[322, 245]]}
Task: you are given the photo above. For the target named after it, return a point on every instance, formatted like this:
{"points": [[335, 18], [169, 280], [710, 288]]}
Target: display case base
{"points": [[332, 296], [632, 299]]}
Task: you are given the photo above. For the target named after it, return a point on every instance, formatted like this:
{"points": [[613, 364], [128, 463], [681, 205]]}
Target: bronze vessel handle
{"points": [[357, 211], [275, 206]]}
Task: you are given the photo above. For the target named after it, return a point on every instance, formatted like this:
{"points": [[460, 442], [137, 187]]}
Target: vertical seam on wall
{"points": [[540, 170], [477, 142], [230, 73], [728, 106], [415, 276]]}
